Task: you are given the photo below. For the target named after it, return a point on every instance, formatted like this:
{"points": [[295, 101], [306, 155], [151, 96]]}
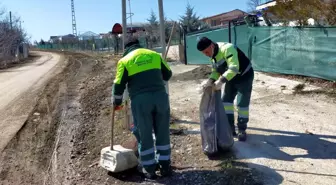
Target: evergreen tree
{"points": [[190, 21]]}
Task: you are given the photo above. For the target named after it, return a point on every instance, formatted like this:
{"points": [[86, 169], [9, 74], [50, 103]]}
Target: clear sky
{"points": [[45, 18]]}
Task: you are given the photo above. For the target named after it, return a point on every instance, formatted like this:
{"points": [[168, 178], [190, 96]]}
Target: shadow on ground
{"points": [[315, 146], [227, 172], [268, 145]]}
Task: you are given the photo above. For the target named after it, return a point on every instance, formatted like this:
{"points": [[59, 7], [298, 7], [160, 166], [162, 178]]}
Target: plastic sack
{"points": [[216, 132]]}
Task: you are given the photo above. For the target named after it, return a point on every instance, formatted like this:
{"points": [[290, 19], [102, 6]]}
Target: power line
{"points": [[74, 27], [130, 13]]}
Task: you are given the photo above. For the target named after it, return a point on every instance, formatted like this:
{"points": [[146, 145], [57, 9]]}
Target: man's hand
{"points": [[207, 83], [219, 83], [117, 103], [118, 107]]}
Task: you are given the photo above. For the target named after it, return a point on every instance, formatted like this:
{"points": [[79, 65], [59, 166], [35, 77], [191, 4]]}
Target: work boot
{"points": [[146, 174], [233, 128], [242, 136], [166, 172], [234, 133]]}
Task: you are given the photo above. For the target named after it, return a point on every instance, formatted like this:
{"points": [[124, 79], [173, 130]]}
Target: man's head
{"points": [[130, 41], [206, 46]]}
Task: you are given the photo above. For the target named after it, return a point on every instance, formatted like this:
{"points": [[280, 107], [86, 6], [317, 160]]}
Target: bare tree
{"points": [[11, 36], [252, 5]]}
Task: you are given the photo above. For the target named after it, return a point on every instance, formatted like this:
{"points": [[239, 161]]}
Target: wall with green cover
{"points": [[307, 51]]}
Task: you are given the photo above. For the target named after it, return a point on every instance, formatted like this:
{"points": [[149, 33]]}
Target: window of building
{"points": [[213, 22]]}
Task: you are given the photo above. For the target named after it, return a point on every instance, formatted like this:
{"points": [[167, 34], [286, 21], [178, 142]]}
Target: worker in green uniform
{"points": [[231, 67], [145, 72]]}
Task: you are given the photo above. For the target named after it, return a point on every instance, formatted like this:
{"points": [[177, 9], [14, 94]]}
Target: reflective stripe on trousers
{"points": [[243, 112], [163, 149], [228, 107]]}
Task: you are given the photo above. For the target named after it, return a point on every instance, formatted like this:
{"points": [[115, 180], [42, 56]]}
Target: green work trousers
{"points": [[151, 111], [242, 88]]}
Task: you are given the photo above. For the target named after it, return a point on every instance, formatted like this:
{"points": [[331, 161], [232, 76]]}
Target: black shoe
{"points": [[166, 172], [234, 133], [146, 174], [242, 136]]}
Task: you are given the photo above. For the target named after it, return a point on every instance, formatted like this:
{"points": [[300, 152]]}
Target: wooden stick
{"points": [[112, 127], [169, 41]]}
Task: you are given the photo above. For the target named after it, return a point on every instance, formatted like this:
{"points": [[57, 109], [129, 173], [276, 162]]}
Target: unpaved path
{"points": [[19, 87], [291, 136], [41, 151]]}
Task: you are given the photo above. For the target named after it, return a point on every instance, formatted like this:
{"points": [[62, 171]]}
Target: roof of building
{"points": [[225, 13]]}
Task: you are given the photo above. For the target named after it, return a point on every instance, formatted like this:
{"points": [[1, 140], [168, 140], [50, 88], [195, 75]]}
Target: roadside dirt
{"points": [[290, 135], [20, 87], [32, 57]]}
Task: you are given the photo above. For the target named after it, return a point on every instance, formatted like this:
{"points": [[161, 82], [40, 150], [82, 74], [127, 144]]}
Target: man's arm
{"points": [[214, 75], [231, 57], [120, 82], [165, 70]]}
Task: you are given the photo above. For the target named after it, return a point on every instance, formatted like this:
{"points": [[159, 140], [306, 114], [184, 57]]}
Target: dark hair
{"points": [[129, 41], [203, 43]]}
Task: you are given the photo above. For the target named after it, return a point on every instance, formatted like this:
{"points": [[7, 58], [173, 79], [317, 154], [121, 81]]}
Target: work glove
{"points": [[219, 83], [207, 83], [117, 107], [117, 104]]}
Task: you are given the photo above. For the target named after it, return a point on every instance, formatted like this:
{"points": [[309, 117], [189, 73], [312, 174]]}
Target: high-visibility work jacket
{"points": [[143, 70], [229, 61]]}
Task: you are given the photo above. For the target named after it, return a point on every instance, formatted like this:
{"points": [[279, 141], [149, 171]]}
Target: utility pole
{"points": [[10, 20], [74, 26], [162, 27], [124, 26], [127, 110], [162, 35]]}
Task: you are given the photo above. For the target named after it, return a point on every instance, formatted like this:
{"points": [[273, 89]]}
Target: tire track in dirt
{"points": [[66, 129], [40, 153]]}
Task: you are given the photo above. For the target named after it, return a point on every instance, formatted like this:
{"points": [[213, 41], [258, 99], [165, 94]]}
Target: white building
{"points": [[265, 4]]}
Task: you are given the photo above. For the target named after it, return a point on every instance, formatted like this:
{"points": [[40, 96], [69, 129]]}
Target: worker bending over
{"points": [[232, 67], [144, 72]]}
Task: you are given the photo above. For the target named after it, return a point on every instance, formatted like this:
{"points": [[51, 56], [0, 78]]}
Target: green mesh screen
{"points": [[299, 51], [196, 57], [288, 50]]}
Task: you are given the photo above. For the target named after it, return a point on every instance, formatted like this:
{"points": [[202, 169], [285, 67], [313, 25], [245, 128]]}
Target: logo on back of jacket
{"points": [[143, 60]]}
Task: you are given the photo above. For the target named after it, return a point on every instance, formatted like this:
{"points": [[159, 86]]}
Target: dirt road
{"points": [[19, 90]]}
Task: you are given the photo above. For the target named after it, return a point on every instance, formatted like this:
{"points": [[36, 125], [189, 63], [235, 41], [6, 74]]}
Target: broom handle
{"points": [[112, 126]]}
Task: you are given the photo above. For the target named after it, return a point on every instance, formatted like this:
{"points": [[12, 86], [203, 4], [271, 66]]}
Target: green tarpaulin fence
{"points": [[308, 51]]}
